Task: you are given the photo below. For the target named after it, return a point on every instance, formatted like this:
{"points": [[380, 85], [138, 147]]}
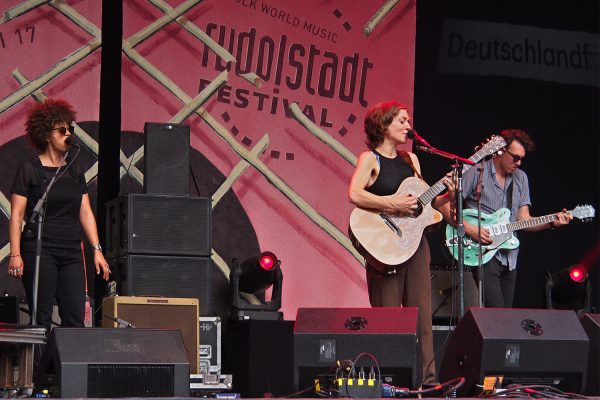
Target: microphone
{"points": [[72, 142], [417, 138]]}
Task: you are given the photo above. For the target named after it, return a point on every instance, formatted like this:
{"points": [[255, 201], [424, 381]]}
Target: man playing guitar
{"points": [[505, 185]]}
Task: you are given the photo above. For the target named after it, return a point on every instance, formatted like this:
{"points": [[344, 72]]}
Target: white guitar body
{"points": [[391, 240]]}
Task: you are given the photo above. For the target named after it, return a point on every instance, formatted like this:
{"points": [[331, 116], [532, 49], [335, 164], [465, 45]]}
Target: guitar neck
{"points": [[439, 187], [528, 223]]}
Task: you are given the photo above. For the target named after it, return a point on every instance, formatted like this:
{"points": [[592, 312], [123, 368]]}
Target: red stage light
{"points": [[267, 261], [577, 273]]}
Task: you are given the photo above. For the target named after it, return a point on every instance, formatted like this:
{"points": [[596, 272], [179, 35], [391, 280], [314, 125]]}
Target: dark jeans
{"points": [[61, 276], [498, 284]]}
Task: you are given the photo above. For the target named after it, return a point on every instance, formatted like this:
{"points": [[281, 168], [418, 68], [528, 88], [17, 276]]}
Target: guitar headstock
{"points": [[491, 146], [585, 213]]}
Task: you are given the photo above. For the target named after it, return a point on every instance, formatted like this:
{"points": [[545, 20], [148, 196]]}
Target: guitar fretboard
{"points": [[489, 148], [515, 226]]}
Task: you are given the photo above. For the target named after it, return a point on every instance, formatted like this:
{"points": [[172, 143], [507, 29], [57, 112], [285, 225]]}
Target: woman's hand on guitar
{"points": [[449, 182], [404, 205], [472, 231]]}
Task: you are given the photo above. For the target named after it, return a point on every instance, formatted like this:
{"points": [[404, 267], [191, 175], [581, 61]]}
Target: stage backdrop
{"points": [[46, 50], [275, 93]]}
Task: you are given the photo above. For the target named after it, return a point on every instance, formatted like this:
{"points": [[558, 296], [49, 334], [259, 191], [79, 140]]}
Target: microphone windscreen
{"points": [[71, 141]]}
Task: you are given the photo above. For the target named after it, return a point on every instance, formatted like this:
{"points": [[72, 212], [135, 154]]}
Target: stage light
{"points": [[253, 277], [569, 289], [577, 273]]}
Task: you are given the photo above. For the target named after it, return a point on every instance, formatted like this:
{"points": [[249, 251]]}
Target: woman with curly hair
{"points": [[66, 214]]}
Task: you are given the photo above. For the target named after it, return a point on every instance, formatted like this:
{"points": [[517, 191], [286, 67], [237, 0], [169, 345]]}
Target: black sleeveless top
{"points": [[392, 172]]}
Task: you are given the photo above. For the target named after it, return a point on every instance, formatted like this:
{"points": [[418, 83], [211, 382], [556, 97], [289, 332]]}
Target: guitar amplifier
{"points": [[157, 312]]}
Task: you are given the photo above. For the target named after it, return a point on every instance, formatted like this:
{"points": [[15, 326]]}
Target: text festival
{"points": [[295, 65]]}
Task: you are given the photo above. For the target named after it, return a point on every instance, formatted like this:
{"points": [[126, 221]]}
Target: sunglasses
{"points": [[63, 130], [515, 157]]}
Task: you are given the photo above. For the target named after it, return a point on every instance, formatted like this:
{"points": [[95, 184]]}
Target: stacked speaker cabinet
{"points": [[517, 346], [160, 245], [323, 336], [166, 158]]}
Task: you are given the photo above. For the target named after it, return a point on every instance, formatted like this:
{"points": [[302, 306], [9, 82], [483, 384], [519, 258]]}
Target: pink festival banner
{"points": [[274, 92]]}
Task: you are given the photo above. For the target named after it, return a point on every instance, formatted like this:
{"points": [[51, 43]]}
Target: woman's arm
{"points": [[364, 175], [18, 204], [88, 223]]}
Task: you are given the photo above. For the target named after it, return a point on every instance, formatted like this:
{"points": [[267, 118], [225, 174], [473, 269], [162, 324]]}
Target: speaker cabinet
{"points": [[166, 158], [259, 356], [530, 347], [142, 275], [445, 294], [157, 312], [101, 362], [323, 336], [161, 225], [591, 325]]}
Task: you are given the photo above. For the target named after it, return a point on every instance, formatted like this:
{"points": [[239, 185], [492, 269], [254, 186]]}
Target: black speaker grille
{"points": [[141, 275], [113, 380], [166, 158], [161, 225]]}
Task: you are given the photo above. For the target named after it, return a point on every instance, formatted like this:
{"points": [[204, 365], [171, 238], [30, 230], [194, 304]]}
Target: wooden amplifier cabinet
{"points": [[157, 312]]}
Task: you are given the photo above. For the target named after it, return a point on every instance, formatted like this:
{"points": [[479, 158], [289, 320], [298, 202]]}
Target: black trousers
{"points": [[61, 277], [498, 284]]}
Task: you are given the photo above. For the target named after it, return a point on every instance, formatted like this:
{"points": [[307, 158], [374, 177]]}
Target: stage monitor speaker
{"points": [[323, 336], [166, 158], [161, 225], [157, 312], [591, 325], [258, 353], [529, 347], [445, 294], [141, 275], [102, 362]]}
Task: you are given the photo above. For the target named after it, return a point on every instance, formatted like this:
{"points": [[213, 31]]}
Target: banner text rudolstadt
{"points": [[282, 62]]}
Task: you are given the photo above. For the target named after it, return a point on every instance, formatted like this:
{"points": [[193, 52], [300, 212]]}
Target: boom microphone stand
{"points": [[457, 170]]}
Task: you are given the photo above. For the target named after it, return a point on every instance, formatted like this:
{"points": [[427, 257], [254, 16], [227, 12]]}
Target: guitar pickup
{"points": [[453, 241]]}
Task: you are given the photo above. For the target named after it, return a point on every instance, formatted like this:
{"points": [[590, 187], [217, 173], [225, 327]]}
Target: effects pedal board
{"points": [[210, 383]]}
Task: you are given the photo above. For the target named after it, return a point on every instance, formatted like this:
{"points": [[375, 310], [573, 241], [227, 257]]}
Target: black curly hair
{"points": [[42, 117]]}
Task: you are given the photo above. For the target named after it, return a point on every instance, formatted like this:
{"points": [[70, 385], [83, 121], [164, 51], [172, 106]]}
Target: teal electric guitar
{"points": [[501, 232]]}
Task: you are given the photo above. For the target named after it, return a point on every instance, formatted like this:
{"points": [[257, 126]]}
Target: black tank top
{"points": [[392, 172]]}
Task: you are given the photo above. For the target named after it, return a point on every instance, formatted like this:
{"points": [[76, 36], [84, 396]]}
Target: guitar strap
{"points": [[509, 194], [406, 157]]}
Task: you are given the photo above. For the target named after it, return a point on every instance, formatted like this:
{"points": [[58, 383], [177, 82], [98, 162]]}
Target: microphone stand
{"points": [[38, 213], [477, 198], [457, 170]]}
